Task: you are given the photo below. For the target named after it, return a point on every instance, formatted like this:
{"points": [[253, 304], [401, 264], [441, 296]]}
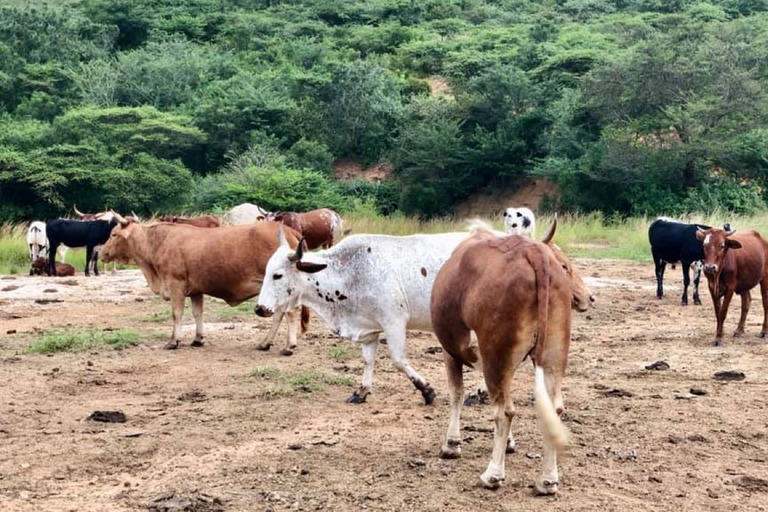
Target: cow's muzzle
{"points": [[262, 311], [710, 269]]}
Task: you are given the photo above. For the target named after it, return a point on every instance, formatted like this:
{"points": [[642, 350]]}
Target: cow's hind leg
{"points": [[746, 300], [397, 352], [88, 258], [660, 265], [451, 449], [498, 370], [177, 313], [196, 302], [696, 278], [369, 356], [95, 262], [276, 319]]}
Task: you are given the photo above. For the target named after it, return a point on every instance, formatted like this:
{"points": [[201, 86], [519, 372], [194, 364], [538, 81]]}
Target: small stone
{"points": [[10, 331], [684, 396], [730, 375], [428, 417], [132, 433], [622, 393], [304, 471], [533, 455], [674, 439], [416, 463], [108, 416], [654, 479], [658, 365], [295, 446], [698, 438], [698, 392]]}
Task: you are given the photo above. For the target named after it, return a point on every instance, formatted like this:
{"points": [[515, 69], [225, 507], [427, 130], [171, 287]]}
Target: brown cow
{"points": [[181, 261], [318, 227], [516, 294], [40, 267], [735, 262], [203, 221]]}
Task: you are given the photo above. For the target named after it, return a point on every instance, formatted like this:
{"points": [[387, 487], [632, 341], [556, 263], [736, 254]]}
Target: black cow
{"points": [[77, 233], [671, 242]]}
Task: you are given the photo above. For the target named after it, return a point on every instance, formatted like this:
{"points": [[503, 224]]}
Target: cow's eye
{"points": [[277, 276], [504, 214]]}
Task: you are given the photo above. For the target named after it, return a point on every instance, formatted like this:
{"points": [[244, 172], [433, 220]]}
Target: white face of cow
{"points": [[283, 277], [518, 221]]}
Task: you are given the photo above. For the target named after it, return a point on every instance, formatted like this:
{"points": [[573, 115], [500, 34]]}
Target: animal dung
{"points": [[108, 416], [730, 375], [658, 365]]}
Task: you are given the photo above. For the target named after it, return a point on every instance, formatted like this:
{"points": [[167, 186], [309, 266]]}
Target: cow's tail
{"points": [[304, 319], [554, 432]]}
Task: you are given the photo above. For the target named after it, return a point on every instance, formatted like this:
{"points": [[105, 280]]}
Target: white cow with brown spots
{"points": [[364, 288]]}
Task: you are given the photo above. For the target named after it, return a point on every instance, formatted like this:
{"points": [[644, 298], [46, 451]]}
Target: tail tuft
{"points": [[554, 432]]}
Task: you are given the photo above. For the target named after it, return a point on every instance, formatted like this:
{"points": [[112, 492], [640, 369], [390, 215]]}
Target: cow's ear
{"points": [[310, 268], [700, 235], [732, 244], [260, 218]]}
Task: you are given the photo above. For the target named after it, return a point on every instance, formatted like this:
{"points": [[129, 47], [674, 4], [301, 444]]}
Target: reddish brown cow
{"points": [[318, 227], [203, 221], [735, 262], [516, 294], [40, 267]]}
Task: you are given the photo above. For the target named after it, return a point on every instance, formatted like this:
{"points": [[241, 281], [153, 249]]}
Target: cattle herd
{"points": [[492, 298]]}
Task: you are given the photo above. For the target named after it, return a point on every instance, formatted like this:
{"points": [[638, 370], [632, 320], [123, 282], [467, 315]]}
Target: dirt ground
{"points": [[203, 433]]}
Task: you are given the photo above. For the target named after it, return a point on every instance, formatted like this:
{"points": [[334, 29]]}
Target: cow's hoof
{"points": [[511, 446], [357, 397], [659, 297], [429, 395], [481, 397], [738, 334], [450, 450], [489, 482], [171, 345], [718, 343], [696, 302], [286, 352], [197, 343], [545, 488], [762, 334], [263, 346]]}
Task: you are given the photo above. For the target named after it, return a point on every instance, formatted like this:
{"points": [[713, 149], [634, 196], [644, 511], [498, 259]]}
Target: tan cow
{"points": [[202, 221], [318, 227], [181, 261], [516, 294]]}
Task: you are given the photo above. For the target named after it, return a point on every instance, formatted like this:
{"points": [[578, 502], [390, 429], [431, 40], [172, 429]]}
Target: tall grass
{"points": [[583, 235]]}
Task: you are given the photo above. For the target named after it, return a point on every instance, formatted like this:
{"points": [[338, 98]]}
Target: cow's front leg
{"points": [[197, 311], [88, 257], [721, 317], [177, 312], [686, 282], [292, 341], [369, 356], [276, 319], [746, 300], [397, 353], [95, 262]]}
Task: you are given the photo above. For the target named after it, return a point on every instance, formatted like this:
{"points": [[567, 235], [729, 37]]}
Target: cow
{"points": [[39, 267], [735, 262], [203, 221], [180, 261], [519, 221], [516, 295], [106, 215], [77, 233], [319, 227], [37, 242], [245, 213], [671, 242], [364, 288]]}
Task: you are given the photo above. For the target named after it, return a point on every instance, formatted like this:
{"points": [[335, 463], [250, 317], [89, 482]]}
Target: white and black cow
{"points": [[673, 241], [37, 242], [365, 287], [519, 221]]}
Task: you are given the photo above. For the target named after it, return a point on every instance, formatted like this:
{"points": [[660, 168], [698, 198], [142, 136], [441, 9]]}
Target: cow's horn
{"points": [[262, 210], [281, 236], [296, 257], [78, 212], [135, 217], [122, 220], [551, 232], [700, 229]]}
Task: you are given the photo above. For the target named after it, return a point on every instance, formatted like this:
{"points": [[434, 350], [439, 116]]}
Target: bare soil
{"points": [[487, 204], [203, 434]]}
